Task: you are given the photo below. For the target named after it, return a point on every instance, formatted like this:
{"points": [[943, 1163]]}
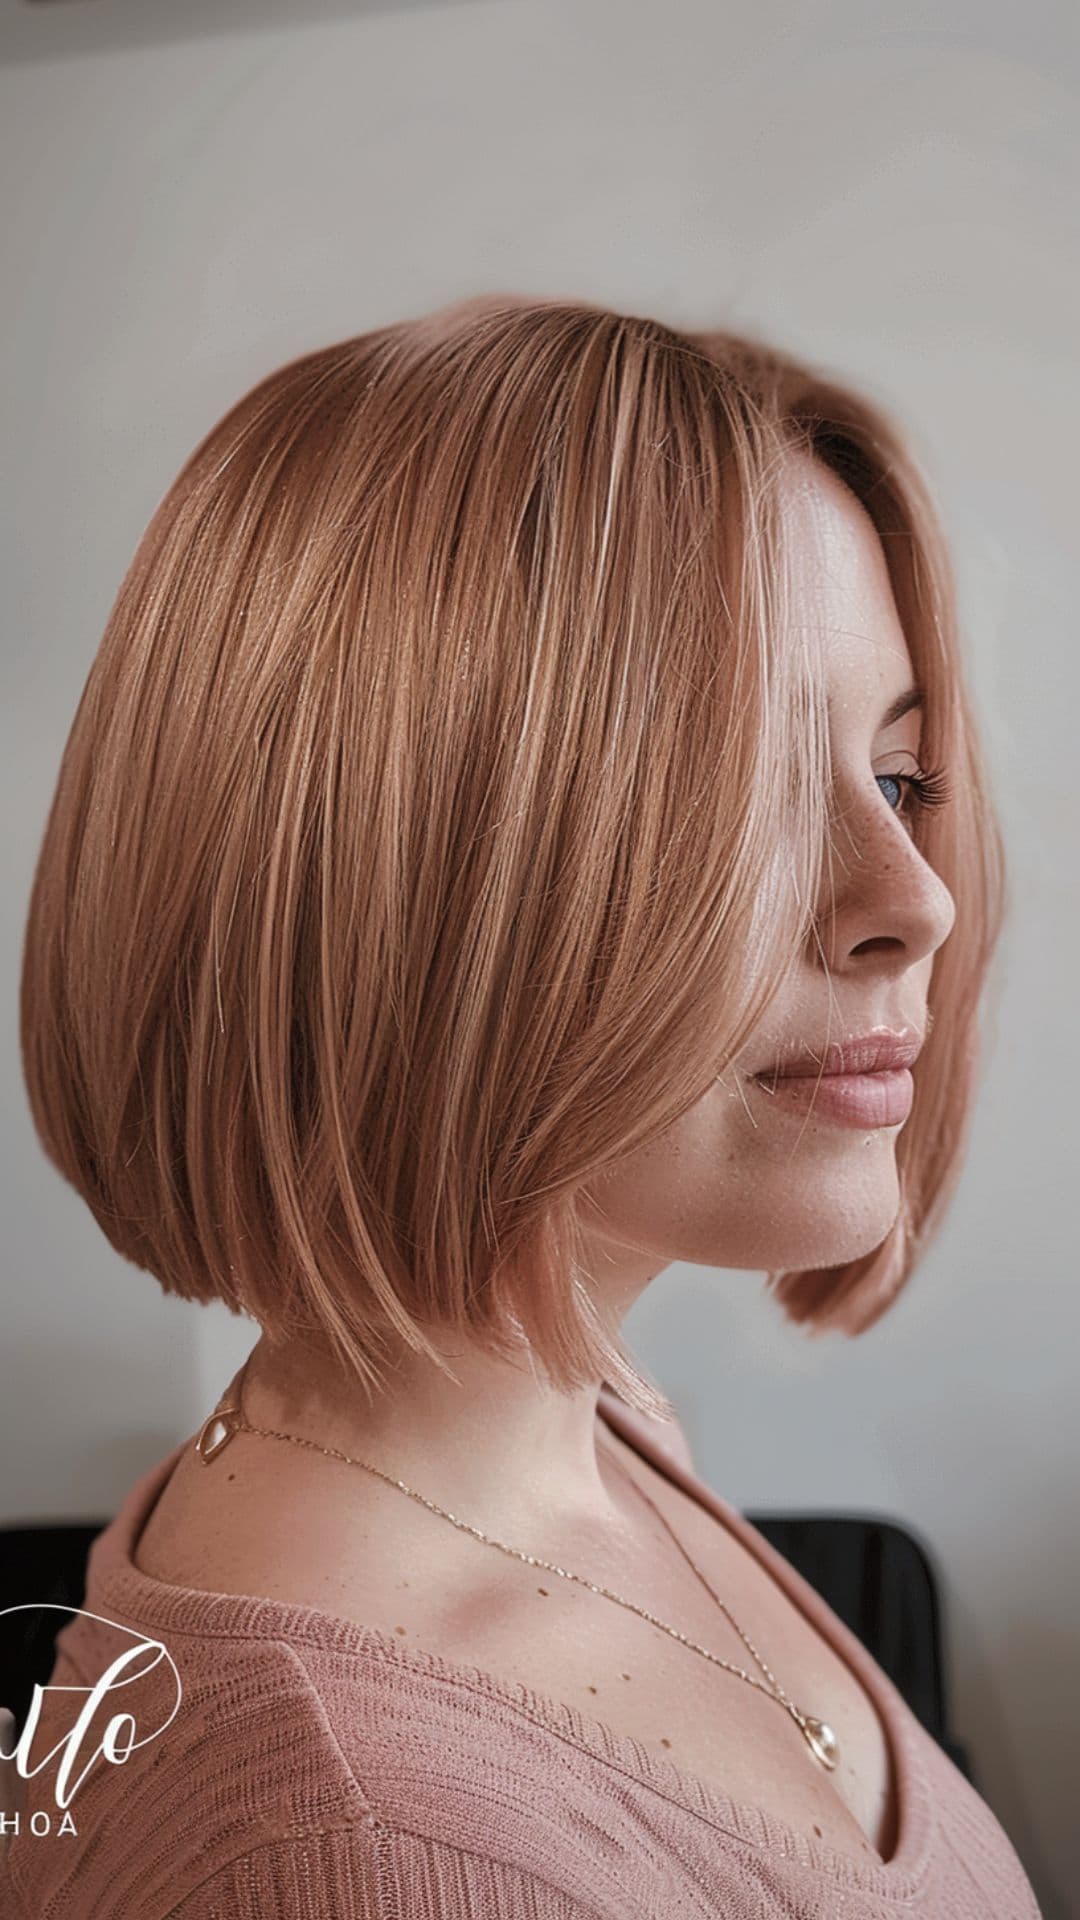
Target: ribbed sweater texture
{"points": [[316, 1769]]}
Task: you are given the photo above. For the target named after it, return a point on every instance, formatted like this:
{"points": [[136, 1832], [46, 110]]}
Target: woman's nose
{"points": [[881, 899]]}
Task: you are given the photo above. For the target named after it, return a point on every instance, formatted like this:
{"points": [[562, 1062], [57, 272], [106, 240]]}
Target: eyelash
{"points": [[931, 788]]}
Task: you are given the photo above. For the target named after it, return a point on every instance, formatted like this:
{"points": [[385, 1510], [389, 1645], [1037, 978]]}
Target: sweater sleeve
{"points": [[374, 1872]]}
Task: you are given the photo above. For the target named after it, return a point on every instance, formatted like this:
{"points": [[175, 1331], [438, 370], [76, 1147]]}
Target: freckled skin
{"points": [[737, 1181]]}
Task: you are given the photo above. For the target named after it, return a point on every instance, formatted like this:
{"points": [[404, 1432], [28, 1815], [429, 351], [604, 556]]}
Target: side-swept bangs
{"points": [[443, 807]]}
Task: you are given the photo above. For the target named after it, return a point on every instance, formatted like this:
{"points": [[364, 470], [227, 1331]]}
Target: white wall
{"points": [[890, 195]]}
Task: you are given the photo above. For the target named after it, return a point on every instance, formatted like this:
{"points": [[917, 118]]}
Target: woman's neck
{"points": [[502, 1444]]}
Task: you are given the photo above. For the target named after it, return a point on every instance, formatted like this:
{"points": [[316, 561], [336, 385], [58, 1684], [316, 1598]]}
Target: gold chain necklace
{"points": [[220, 1426]]}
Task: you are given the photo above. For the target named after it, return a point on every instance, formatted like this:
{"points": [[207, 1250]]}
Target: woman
{"points": [[524, 826]]}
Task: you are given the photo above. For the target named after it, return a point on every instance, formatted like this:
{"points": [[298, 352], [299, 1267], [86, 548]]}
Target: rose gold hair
{"points": [[444, 805]]}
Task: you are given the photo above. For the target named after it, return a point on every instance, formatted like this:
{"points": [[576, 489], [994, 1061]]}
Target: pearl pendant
{"points": [[215, 1433], [822, 1739]]}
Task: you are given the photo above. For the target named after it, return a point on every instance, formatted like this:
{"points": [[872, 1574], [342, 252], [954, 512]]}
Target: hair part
{"points": [[443, 807]]}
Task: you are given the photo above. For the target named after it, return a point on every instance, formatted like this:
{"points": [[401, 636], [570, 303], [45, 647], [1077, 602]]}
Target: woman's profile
{"points": [[524, 826]]}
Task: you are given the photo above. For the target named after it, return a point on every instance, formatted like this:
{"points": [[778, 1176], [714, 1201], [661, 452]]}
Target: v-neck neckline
{"points": [[115, 1580], [915, 1811]]}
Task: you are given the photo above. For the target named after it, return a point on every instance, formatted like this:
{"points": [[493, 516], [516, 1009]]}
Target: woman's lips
{"points": [[853, 1099]]}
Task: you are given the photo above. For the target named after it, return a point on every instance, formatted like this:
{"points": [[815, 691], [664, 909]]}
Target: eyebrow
{"points": [[904, 703]]}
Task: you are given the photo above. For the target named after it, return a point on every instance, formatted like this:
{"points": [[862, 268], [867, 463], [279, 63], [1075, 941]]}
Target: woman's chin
{"points": [[850, 1228]]}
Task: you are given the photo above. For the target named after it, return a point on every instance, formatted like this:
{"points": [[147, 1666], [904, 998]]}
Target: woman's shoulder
{"points": [[164, 1749], [261, 1520], [239, 1792], [279, 1757], [284, 1695]]}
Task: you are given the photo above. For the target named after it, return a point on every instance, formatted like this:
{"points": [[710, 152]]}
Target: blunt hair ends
{"points": [[441, 812]]}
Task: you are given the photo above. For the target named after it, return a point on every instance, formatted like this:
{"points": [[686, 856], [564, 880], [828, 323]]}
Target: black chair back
{"points": [[880, 1580]]}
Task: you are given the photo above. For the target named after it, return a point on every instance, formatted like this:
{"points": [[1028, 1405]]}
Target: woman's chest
{"points": [[709, 1707], [572, 1646], [719, 1718]]}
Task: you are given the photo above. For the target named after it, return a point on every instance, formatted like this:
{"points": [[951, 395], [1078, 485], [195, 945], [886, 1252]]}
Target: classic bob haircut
{"points": [[446, 801]]}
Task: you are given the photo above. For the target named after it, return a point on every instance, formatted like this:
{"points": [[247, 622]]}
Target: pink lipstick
{"points": [[863, 1082]]}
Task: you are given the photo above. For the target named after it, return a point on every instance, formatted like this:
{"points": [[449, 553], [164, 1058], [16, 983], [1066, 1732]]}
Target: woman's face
{"points": [[775, 1180]]}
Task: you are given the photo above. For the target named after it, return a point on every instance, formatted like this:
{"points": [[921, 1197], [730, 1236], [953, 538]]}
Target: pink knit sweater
{"points": [[319, 1770]]}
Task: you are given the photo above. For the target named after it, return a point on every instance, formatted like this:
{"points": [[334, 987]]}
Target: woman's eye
{"points": [[887, 780], [925, 789]]}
